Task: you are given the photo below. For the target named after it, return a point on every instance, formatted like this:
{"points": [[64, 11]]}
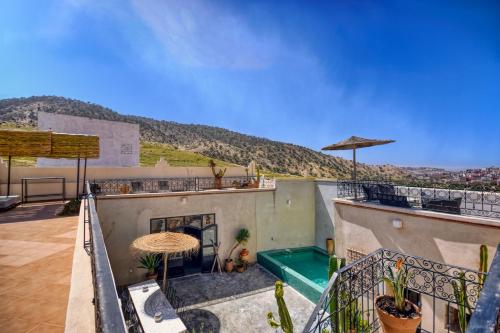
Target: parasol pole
{"points": [[85, 176], [354, 174], [164, 287], [8, 176], [78, 176]]}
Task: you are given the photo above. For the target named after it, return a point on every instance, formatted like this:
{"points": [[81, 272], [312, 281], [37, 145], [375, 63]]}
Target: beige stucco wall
{"points": [[445, 238], [162, 169], [278, 218], [441, 237]]}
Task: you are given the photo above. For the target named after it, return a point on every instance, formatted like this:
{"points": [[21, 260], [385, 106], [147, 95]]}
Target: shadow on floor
{"points": [[32, 212], [200, 321], [201, 288]]}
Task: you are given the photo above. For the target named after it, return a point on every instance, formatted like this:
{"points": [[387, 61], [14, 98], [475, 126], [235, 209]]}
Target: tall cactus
{"points": [[483, 264], [460, 291], [285, 322], [334, 265]]}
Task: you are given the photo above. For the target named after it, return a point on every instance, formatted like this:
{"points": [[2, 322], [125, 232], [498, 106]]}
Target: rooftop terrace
{"points": [[36, 255], [37, 247]]}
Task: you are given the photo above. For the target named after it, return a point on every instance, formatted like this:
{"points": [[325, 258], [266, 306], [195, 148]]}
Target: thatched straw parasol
{"points": [[167, 244], [353, 143]]}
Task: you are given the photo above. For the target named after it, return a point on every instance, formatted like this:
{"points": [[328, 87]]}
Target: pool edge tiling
{"points": [[299, 282]]}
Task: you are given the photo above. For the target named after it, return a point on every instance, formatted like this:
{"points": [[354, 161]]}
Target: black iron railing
{"points": [[180, 184], [486, 318], [465, 202], [108, 313], [348, 302]]}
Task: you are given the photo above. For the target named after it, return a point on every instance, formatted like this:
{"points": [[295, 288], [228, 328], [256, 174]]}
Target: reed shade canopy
{"points": [[355, 142], [167, 244], [48, 144]]}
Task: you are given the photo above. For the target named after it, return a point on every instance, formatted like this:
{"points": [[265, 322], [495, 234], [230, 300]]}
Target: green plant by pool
{"points": [[305, 269]]}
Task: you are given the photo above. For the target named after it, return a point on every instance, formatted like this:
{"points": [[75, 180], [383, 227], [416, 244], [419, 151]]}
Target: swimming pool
{"points": [[305, 269]]}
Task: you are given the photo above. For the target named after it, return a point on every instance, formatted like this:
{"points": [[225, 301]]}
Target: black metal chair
{"points": [[450, 206]]}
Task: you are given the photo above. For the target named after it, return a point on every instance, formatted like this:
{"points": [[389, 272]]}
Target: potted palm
{"points": [[396, 313], [151, 263], [241, 239]]}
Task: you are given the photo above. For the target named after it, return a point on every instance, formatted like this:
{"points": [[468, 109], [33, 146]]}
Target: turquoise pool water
{"points": [[305, 269]]}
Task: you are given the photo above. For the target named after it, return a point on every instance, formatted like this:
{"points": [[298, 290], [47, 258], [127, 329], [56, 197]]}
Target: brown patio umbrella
{"points": [[353, 143], [167, 244]]}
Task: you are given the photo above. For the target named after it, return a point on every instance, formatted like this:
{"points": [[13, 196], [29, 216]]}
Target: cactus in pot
{"points": [[334, 265], [483, 264], [217, 174]]}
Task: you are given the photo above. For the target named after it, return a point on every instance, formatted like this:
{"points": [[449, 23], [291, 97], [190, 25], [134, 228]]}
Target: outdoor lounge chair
{"points": [[450, 206], [386, 195]]}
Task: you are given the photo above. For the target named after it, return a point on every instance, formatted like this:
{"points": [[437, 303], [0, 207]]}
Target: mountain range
{"points": [[214, 142]]}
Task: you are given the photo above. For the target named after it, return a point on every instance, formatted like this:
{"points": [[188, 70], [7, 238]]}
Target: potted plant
{"points": [[241, 239], [217, 174], [255, 183], [151, 263], [397, 314], [244, 255], [240, 265], [124, 189]]}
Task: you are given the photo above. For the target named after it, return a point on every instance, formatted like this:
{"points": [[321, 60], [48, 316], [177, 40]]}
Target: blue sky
{"points": [[425, 73]]}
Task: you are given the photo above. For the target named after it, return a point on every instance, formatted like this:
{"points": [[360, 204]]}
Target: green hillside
{"points": [[152, 151]]}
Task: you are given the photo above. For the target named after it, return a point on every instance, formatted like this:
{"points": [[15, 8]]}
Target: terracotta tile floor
{"points": [[36, 253]]}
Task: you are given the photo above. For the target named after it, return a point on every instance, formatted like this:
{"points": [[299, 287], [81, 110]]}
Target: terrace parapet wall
{"points": [[161, 170]]}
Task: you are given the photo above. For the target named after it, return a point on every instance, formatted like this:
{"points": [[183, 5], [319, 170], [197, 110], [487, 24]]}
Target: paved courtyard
{"points": [[236, 302], [36, 253]]}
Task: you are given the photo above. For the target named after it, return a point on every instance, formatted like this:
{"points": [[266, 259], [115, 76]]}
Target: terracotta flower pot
{"points": [[240, 268], [244, 255], [151, 276], [229, 265], [125, 189], [392, 324], [330, 246], [218, 183]]}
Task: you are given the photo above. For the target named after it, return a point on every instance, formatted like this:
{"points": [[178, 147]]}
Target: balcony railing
{"points": [[348, 302], [465, 202], [181, 184], [108, 313]]}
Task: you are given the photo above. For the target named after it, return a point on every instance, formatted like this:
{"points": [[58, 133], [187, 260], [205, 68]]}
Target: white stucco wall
{"points": [[118, 141]]}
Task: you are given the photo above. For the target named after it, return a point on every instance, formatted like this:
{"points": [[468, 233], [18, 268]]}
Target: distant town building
{"points": [[119, 141]]}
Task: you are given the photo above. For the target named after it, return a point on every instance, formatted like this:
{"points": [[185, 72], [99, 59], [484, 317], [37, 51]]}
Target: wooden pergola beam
{"points": [[50, 145]]}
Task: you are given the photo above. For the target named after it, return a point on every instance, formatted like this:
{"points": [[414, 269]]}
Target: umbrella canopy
{"points": [[356, 142], [168, 244], [353, 143]]}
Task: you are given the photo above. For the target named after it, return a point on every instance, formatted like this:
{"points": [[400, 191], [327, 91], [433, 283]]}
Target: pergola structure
{"points": [[48, 144]]}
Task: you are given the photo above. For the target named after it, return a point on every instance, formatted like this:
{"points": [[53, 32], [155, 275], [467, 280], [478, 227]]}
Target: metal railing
{"points": [[486, 318], [108, 313], [475, 203], [348, 302], [178, 184]]}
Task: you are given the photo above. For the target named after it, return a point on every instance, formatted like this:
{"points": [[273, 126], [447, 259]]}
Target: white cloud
{"points": [[201, 34]]}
